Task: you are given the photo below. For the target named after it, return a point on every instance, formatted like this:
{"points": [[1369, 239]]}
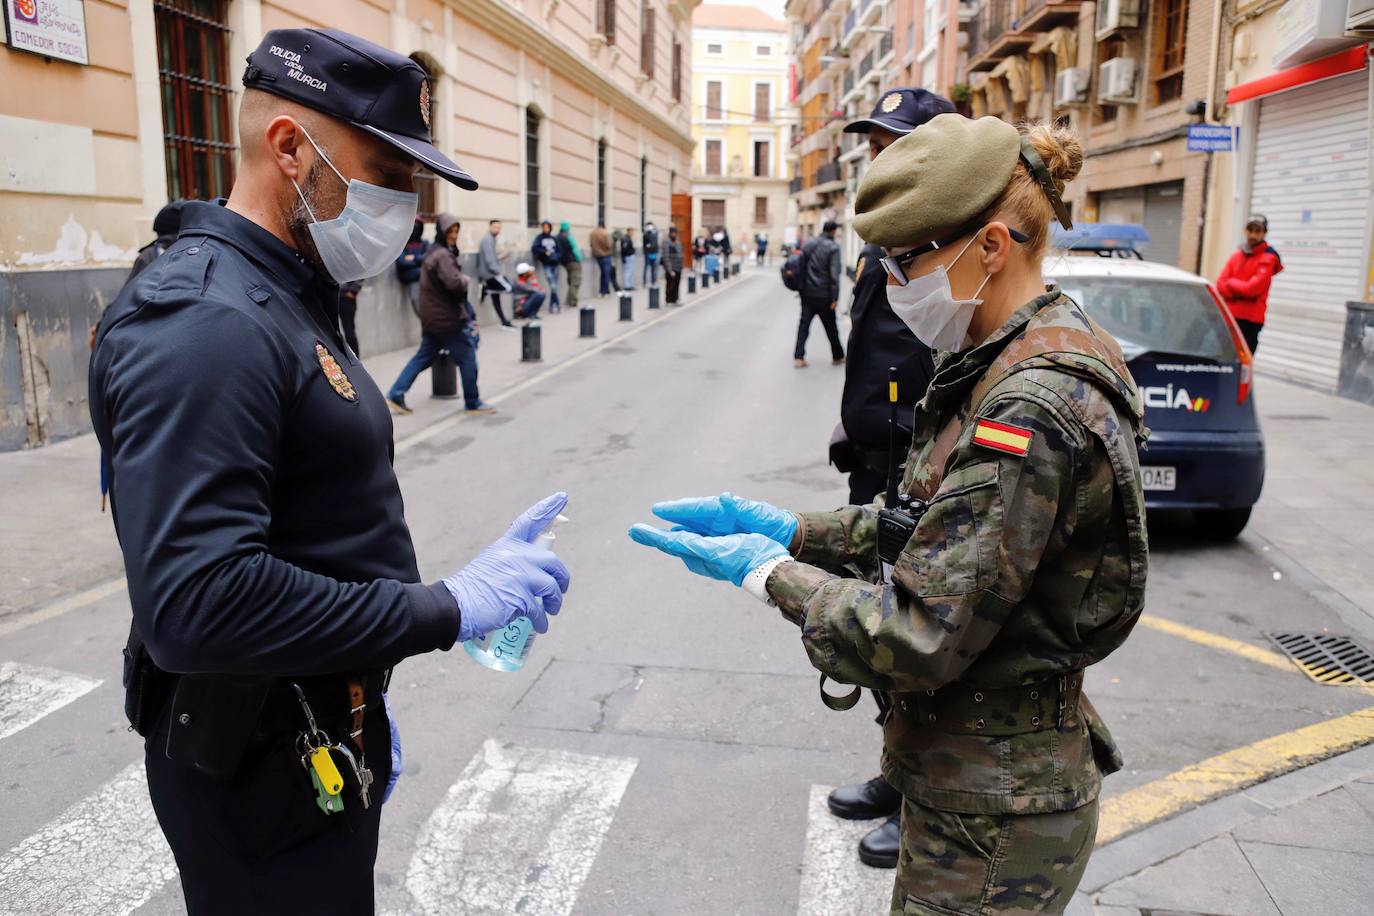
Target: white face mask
{"points": [[927, 306], [368, 234]]}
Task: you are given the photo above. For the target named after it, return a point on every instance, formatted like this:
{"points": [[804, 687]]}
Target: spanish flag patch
{"points": [[1013, 440]]}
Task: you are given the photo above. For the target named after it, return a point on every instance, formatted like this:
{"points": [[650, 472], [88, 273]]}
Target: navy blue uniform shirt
{"points": [[254, 497], [879, 339]]}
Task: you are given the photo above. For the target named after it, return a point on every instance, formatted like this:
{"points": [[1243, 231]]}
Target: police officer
{"points": [[271, 573], [878, 340], [1018, 555]]}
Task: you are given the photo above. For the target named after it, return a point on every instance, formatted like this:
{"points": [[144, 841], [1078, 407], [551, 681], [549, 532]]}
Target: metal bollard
{"points": [[691, 284], [586, 317], [443, 377], [706, 281], [626, 307], [531, 344], [653, 297]]}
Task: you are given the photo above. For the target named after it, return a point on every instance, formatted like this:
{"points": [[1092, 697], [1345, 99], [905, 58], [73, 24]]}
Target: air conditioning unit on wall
{"points": [[1115, 15], [1071, 86], [1359, 18], [1116, 81]]}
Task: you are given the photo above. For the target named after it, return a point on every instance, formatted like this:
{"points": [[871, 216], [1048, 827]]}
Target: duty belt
{"points": [[963, 709], [334, 699]]}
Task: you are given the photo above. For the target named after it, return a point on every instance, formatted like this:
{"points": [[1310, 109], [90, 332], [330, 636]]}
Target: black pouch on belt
{"points": [[145, 686], [214, 717]]}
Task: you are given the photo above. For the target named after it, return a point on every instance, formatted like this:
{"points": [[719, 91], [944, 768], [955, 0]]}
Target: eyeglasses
{"points": [[895, 264]]}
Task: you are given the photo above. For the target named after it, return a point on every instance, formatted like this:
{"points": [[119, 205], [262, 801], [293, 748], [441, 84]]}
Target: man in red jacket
{"points": [[1244, 281]]}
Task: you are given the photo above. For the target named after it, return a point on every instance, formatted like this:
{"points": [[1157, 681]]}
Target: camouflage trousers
{"points": [[976, 864]]}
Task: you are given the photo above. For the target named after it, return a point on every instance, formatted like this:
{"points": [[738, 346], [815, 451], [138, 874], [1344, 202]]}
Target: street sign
{"points": [[1211, 138]]}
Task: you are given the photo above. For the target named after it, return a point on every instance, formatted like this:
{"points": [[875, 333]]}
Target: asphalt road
{"points": [[661, 751]]}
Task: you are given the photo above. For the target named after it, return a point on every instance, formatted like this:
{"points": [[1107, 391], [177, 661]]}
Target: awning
{"points": [[1347, 61], [1062, 42], [1013, 71]]}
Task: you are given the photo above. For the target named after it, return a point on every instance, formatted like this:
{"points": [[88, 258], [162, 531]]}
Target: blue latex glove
{"points": [[397, 764], [729, 514], [729, 557], [512, 578]]}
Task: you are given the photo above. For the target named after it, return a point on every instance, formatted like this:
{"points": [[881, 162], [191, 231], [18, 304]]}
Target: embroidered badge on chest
{"points": [[334, 372]]}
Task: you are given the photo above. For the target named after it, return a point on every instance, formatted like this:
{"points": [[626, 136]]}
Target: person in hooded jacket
{"points": [[1244, 281], [548, 255], [446, 320], [408, 264], [570, 256], [166, 225]]}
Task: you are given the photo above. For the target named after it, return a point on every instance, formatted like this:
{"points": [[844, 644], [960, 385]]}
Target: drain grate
{"points": [[1327, 659]]}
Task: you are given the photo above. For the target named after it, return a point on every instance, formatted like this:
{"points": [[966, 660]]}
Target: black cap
{"points": [[830, 226], [366, 85], [1257, 220], [902, 111]]}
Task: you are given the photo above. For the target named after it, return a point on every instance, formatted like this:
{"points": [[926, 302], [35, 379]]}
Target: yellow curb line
{"points": [[1215, 641], [1231, 772]]}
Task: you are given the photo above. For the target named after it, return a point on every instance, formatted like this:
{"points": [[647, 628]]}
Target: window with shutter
{"points": [[713, 157], [763, 102], [193, 62], [713, 100]]}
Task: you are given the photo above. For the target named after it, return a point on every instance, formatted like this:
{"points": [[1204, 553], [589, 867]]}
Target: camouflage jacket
{"points": [[1028, 564]]}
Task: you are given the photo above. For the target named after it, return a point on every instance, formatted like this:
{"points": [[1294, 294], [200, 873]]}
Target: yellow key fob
{"points": [[330, 778]]}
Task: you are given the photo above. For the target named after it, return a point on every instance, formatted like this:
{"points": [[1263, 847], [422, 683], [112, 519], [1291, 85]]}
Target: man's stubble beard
{"points": [[298, 219]]}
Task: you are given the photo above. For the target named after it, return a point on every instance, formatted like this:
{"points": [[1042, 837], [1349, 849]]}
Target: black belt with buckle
{"points": [[328, 698], [964, 709]]}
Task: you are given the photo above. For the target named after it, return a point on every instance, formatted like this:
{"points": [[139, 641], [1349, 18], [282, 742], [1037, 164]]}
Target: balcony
{"points": [[848, 83], [994, 33], [795, 185], [869, 12], [866, 71], [885, 46], [1043, 15], [828, 178], [850, 22]]}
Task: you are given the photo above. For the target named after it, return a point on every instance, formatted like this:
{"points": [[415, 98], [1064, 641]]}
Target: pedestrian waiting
{"points": [[651, 253], [408, 264], [529, 298], [672, 264], [570, 256], [446, 320], [627, 257], [546, 255], [601, 248]]}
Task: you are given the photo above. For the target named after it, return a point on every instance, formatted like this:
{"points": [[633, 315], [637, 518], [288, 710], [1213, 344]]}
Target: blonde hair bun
{"points": [[1060, 148]]}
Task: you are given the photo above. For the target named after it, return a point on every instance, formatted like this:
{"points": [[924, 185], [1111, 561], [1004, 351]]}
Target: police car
{"points": [[1206, 451]]}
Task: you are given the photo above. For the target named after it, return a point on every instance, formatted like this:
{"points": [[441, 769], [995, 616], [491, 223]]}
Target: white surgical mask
{"points": [[368, 234], [927, 306]]}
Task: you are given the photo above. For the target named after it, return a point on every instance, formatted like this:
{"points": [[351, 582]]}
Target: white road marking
{"points": [[517, 833], [29, 692], [104, 856], [81, 599], [834, 882]]}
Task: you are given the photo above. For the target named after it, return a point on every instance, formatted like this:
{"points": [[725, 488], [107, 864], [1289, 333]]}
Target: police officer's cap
{"points": [[366, 85], [934, 183], [902, 111]]}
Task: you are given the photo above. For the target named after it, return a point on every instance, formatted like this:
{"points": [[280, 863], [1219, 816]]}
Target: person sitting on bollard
{"points": [[529, 298]]}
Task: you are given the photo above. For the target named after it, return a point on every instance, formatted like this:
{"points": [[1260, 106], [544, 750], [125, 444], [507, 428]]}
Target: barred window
{"points": [[646, 45], [601, 181], [193, 69], [677, 71], [1171, 36], [605, 19], [531, 167]]}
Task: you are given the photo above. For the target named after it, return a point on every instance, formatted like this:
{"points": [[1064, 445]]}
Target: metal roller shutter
{"points": [[1311, 179]]}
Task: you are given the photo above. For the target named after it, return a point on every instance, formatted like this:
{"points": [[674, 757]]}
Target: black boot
{"points": [[881, 846], [866, 801]]}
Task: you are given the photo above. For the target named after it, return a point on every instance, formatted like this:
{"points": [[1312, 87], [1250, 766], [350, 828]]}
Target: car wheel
{"points": [[1222, 524]]}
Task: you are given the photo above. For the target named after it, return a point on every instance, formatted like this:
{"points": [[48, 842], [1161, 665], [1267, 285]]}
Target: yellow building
{"points": [[741, 121], [562, 109]]}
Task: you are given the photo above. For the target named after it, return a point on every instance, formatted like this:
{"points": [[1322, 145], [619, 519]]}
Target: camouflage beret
{"points": [[935, 180]]}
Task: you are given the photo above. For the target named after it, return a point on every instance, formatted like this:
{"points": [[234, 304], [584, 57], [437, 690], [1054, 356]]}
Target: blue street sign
{"points": [[1211, 138]]}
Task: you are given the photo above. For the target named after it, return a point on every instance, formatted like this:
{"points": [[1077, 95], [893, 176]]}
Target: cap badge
{"points": [[332, 371], [424, 101], [892, 102]]}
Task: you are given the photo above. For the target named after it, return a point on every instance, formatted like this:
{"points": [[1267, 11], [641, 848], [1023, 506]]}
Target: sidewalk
{"points": [[55, 542], [1302, 842]]}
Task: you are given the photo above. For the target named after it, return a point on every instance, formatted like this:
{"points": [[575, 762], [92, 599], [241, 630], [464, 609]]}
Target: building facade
{"points": [[741, 120], [562, 109], [1298, 92]]}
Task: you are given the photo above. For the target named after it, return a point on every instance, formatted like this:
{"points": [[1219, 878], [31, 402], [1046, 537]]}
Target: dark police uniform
{"points": [[877, 340], [250, 462]]}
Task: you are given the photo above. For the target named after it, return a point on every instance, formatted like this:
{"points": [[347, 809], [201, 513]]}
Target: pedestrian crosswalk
{"points": [[518, 831], [29, 692]]}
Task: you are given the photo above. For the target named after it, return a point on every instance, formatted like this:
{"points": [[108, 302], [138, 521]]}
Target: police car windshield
{"points": [[1155, 317]]}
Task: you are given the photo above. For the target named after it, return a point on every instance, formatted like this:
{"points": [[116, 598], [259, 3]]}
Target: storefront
{"points": [[1304, 163]]}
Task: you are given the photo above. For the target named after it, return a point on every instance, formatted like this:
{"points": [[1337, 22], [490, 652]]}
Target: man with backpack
{"points": [[820, 292]]}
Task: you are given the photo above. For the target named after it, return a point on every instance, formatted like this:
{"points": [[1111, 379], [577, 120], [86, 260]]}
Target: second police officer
{"points": [[1017, 555], [878, 340], [271, 572]]}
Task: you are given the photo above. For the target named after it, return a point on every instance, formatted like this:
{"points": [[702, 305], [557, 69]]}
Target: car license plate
{"points": [[1159, 478]]}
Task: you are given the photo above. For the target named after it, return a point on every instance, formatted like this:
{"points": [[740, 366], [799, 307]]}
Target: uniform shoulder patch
{"points": [[335, 374], [1003, 437], [859, 271]]}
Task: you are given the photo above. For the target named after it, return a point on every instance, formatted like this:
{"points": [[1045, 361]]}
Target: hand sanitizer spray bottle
{"points": [[506, 649]]}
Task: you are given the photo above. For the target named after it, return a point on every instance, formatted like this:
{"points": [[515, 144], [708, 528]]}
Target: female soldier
{"points": [[1020, 552]]}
